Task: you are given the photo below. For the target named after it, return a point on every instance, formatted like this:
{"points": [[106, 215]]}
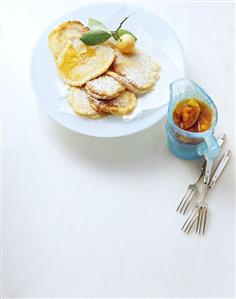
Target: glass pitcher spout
{"points": [[182, 88], [186, 88]]}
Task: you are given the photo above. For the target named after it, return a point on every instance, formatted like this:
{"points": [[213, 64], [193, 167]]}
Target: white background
{"points": [[87, 217]]}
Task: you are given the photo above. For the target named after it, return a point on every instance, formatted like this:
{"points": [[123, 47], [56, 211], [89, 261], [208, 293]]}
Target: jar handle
{"points": [[210, 148]]}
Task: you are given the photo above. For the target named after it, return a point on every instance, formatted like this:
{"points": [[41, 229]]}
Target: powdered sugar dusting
{"points": [[123, 100], [78, 99], [105, 85], [138, 68]]}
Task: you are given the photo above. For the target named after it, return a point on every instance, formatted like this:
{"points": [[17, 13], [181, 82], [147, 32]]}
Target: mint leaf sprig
{"points": [[99, 33]]}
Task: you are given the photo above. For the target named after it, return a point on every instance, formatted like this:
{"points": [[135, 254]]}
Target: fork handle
{"points": [[219, 168], [208, 170], [201, 172]]}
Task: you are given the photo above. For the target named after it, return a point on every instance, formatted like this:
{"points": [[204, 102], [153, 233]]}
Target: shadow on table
{"points": [[148, 146]]}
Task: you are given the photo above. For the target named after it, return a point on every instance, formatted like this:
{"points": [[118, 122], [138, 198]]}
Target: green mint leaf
{"points": [[94, 24], [95, 37], [122, 31]]}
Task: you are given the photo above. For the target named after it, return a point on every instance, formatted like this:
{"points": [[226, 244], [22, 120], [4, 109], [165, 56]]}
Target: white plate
{"points": [[43, 71]]}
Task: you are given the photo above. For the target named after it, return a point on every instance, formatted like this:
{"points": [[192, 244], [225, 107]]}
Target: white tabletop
{"points": [[87, 217]]}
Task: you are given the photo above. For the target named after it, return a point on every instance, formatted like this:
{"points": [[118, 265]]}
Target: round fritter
{"points": [[137, 71], [79, 101], [79, 63], [59, 37], [104, 88], [122, 105]]}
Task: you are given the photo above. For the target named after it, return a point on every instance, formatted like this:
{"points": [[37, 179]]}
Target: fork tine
{"points": [[182, 203], [200, 215], [198, 220], [189, 200], [192, 222], [189, 220], [204, 222]]}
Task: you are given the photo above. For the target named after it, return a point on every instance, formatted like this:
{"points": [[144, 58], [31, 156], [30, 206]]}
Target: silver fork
{"points": [[202, 211], [194, 215], [202, 204], [192, 188], [199, 212]]}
